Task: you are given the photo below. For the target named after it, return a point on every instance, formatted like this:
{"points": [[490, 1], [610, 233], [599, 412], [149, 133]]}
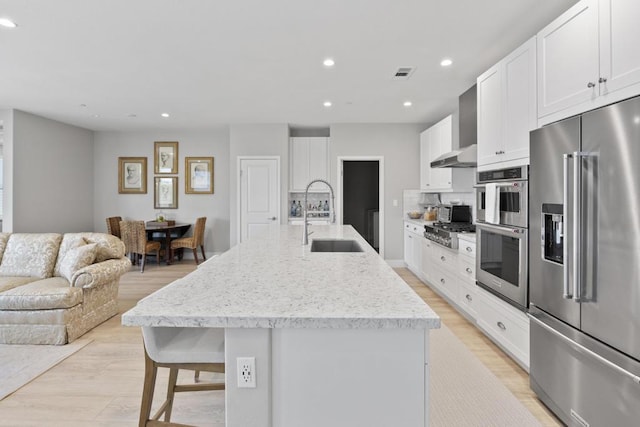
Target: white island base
{"points": [[329, 377]]}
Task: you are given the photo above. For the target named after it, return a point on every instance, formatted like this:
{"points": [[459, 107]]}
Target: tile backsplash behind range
{"points": [[412, 201]]}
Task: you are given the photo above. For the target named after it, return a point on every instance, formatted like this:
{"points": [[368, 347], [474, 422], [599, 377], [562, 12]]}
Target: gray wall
{"points": [[399, 144], [52, 176], [107, 202], [7, 170], [258, 140]]}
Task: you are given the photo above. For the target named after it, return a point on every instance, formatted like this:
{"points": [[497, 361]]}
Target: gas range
{"points": [[446, 233]]}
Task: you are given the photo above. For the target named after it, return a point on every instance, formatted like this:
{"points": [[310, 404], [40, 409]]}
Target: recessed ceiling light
{"points": [[329, 62], [327, 103], [446, 62], [5, 22], [165, 114], [407, 104]]}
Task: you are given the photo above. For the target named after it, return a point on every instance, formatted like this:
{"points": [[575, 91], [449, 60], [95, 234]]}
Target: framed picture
{"points": [[166, 192], [166, 157], [132, 175], [199, 175]]}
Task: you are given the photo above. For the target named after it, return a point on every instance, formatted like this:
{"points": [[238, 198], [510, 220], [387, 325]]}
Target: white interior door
{"points": [[259, 197]]}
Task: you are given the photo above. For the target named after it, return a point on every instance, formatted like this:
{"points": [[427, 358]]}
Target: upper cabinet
{"points": [[309, 160], [588, 58], [435, 141], [507, 108]]}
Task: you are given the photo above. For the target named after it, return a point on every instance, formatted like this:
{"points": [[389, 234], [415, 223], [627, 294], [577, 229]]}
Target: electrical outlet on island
{"points": [[246, 372]]}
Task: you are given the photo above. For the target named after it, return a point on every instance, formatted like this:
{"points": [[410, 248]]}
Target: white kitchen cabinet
{"points": [[309, 160], [587, 58], [505, 325], [507, 108], [435, 141], [413, 238]]}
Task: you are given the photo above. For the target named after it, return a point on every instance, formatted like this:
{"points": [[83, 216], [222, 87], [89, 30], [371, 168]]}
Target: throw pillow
{"points": [[77, 258]]}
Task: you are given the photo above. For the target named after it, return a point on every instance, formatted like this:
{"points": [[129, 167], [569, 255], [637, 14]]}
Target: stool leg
{"points": [[150, 372], [173, 379]]}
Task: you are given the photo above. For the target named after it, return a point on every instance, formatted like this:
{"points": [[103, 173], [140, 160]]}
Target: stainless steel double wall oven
{"points": [[502, 233]]}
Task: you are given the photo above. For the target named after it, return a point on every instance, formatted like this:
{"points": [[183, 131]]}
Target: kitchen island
{"points": [[338, 338]]}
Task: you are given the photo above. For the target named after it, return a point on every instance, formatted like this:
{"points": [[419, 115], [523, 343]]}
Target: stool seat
{"points": [[194, 349], [184, 345]]}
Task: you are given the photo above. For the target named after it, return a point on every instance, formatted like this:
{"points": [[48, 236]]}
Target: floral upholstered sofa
{"points": [[54, 287]]}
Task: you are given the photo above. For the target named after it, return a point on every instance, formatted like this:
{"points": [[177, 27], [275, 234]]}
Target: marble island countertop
{"points": [[275, 282]]}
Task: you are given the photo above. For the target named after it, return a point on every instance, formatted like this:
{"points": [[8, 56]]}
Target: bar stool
{"points": [[195, 349]]}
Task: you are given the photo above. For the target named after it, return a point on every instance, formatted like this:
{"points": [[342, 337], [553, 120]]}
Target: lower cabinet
{"points": [[506, 325], [452, 274], [413, 247]]}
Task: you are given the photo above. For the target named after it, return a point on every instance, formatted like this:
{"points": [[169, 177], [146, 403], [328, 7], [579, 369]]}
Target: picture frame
{"points": [[165, 192], [132, 175], [165, 157], [198, 173]]}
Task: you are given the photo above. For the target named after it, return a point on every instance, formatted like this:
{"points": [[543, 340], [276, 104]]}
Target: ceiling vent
{"points": [[403, 73]]}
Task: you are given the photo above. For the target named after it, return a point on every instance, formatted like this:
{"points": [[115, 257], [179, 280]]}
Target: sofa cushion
{"points": [[4, 238], [45, 294], [109, 247], [77, 258], [7, 283], [31, 255]]}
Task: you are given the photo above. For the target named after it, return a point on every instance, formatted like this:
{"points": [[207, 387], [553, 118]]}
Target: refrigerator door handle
{"points": [[577, 215], [566, 288], [585, 350]]}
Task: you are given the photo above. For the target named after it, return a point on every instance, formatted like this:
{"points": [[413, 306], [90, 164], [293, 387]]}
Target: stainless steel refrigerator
{"points": [[584, 266]]}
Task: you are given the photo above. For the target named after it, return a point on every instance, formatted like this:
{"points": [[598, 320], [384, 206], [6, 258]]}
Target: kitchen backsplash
{"points": [[412, 201]]}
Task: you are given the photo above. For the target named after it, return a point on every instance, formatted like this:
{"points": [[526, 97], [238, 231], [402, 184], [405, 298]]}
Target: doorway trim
{"points": [[338, 207], [239, 190]]}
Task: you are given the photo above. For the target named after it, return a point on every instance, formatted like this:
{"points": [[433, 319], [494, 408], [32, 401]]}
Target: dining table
{"points": [[168, 232]]}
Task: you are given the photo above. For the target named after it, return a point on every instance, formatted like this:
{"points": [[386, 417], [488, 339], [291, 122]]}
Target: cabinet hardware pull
{"points": [[501, 326], [411, 237], [443, 258], [273, 218], [442, 281], [468, 270], [602, 80], [469, 249], [591, 84], [469, 297]]}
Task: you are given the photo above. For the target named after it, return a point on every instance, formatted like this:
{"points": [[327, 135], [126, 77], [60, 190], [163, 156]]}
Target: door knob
{"points": [[591, 84], [273, 218], [602, 80]]}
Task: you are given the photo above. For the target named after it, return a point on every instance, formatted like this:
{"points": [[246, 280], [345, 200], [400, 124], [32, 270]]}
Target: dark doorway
{"points": [[360, 186]]}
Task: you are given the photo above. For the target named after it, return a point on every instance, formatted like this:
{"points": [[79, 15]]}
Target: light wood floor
{"points": [[101, 384]]}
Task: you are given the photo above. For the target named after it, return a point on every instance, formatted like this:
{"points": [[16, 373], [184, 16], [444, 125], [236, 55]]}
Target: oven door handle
{"points": [[505, 231]]}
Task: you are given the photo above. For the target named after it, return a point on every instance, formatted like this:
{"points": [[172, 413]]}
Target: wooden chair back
{"points": [[134, 236]]}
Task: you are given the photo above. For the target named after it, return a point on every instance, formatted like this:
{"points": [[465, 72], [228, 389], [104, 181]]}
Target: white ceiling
{"points": [[213, 62]]}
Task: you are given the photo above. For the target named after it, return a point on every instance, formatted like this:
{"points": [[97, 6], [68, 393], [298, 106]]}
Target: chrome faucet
{"points": [[332, 212]]}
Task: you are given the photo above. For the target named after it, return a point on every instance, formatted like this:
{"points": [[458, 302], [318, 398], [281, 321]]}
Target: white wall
{"points": [[258, 140], [51, 171], [399, 144], [111, 145]]}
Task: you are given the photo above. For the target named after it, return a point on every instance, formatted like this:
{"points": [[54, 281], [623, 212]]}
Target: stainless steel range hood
{"points": [[466, 156]]}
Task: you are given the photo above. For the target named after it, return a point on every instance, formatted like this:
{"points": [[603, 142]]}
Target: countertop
{"points": [[275, 282]]}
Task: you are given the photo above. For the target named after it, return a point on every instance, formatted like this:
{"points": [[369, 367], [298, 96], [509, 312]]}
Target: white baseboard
{"points": [[396, 263]]}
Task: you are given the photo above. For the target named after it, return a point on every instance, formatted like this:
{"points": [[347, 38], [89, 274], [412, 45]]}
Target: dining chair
{"points": [[194, 349], [192, 242], [113, 226], [135, 241]]}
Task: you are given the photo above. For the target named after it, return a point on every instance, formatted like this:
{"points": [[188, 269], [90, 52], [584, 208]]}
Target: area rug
{"points": [[464, 392], [20, 364]]}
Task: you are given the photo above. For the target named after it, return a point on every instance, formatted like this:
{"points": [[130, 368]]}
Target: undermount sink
{"points": [[334, 245]]}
